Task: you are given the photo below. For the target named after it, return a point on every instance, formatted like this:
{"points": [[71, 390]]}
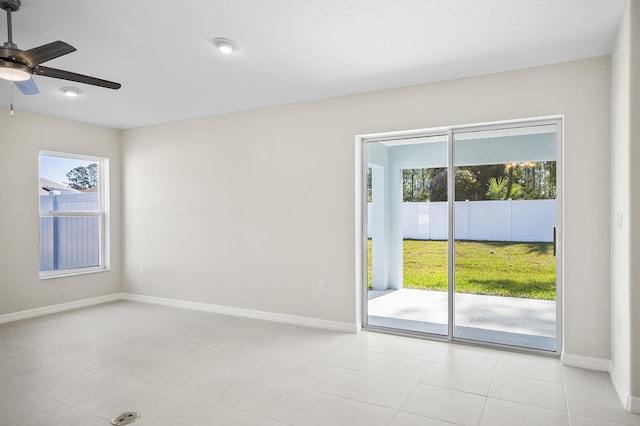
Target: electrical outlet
{"points": [[141, 270], [322, 286]]}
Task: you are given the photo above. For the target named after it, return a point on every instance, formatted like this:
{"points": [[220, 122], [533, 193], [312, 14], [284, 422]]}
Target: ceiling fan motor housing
{"points": [[7, 50], [12, 5]]}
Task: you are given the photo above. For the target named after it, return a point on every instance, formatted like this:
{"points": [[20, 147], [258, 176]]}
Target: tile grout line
{"points": [[431, 362], [473, 315], [566, 395], [486, 398]]}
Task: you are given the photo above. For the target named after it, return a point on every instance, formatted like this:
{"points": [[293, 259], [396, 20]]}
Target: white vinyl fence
{"points": [[511, 220], [70, 241]]}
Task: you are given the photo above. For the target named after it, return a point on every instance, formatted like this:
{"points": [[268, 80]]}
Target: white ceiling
{"points": [[290, 50]]}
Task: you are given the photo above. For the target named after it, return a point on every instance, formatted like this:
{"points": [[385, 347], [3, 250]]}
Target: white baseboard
{"points": [[634, 404], [587, 362], [629, 402], [245, 313], [621, 389], [176, 303], [52, 309]]}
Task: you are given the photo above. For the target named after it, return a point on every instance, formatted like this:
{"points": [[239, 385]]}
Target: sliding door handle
{"points": [[554, 240]]}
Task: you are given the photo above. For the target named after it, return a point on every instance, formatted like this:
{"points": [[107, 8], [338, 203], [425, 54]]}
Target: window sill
{"points": [[72, 272]]}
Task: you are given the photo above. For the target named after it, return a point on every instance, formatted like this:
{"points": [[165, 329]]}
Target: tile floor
{"points": [[180, 367]]}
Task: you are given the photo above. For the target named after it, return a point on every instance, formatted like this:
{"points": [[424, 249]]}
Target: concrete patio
{"points": [[511, 321]]}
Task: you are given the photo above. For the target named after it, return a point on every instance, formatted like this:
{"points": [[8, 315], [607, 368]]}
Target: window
{"points": [[72, 195]]}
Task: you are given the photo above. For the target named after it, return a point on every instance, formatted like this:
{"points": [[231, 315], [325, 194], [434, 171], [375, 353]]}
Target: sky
{"points": [[56, 168]]}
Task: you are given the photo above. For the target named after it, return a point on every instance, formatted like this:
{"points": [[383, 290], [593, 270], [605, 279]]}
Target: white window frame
{"points": [[102, 213]]}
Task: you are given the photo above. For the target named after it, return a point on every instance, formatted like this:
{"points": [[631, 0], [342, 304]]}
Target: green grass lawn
{"points": [[494, 268]]}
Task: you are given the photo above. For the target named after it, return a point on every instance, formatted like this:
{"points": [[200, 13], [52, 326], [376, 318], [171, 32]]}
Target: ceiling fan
{"points": [[19, 65]]}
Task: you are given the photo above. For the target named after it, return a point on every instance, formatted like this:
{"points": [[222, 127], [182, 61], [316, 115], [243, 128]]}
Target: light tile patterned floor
{"points": [[180, 367]]}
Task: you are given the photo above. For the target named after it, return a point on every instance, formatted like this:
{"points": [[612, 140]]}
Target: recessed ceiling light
{"points": [[226, 46], [71, 92]]}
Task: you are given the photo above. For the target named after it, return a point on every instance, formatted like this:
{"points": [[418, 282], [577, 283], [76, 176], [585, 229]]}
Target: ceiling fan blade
{"points": [[71, 76], [27, 87], [37, 55]]}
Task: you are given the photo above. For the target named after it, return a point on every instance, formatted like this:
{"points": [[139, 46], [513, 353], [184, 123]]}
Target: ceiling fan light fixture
{"points": [[14, 72], [226, 46], [70, 92]]}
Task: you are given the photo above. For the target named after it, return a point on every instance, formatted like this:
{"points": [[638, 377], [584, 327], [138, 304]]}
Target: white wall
{"points": [[620, 211], [634, 144], [23, 136], [625, 203], [201, 249]]}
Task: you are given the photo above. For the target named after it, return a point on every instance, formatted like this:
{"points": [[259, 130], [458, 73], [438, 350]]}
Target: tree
{"points": [[466, 185], [525, 180], [498, 189], [415, 183], [509, 189], [538, 180], [82, 177]]}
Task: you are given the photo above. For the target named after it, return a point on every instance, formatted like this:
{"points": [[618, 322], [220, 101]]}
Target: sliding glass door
{"points": [[407, 239], [505, 219], [469, 255]]}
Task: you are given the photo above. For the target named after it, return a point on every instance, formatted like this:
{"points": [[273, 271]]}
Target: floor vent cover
{"points": [[125, 418]]}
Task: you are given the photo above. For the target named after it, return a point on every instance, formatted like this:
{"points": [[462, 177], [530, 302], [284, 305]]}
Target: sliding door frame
{"points": [[361, 226]]}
